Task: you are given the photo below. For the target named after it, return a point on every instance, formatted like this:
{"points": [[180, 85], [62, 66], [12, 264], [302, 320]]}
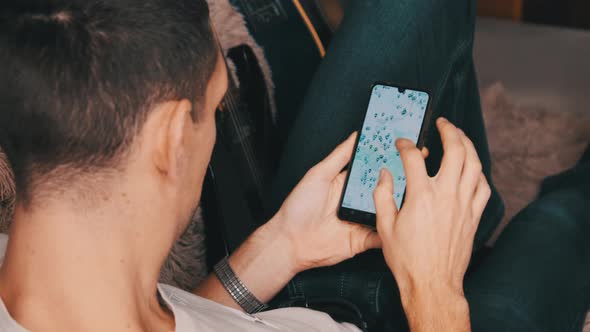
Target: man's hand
{"points": [[428, 243], [305, 233], [308, 217]]}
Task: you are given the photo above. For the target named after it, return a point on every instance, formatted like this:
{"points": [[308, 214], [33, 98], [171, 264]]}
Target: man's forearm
{"points": [[264, 263], [429, 309]]}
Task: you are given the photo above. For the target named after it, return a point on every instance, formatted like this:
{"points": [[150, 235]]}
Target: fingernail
{"points": [[442, 120], [381, 173]]}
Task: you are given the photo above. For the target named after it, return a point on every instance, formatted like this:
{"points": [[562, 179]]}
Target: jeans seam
{"points": [[300, 287], [497, 214], [377, 289], [451, 66], [290, 290], [342, 277]]}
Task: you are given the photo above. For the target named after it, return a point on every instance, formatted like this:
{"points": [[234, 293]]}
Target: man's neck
{"points": [[90, 270]]}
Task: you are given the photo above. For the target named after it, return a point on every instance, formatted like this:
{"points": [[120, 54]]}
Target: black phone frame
{"points": [[368, 218]]}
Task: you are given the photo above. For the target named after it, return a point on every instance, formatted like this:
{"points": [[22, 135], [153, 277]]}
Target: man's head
{"points": [[97, 93]]}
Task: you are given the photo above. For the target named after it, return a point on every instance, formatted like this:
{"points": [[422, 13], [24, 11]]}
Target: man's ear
{"points": [[172, 128]]}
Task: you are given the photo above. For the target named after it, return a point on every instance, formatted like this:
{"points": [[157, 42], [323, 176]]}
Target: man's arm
{"points": [[264, 263], [430, 309], [305, 233]]}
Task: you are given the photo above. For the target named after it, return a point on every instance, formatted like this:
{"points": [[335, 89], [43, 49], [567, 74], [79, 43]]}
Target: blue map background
{"points": [[391, 115]]}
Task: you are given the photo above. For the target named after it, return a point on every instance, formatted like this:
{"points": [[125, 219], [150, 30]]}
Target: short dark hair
{"points": [[78, 78]]}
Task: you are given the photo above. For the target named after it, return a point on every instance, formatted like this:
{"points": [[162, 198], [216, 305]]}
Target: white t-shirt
{"points": [[193, 313]]}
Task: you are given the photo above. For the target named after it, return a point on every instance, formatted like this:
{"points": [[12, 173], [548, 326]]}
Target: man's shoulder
{"points": [[197, 313], [177, 297]]}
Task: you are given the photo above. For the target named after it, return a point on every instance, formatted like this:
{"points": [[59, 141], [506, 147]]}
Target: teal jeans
{"points": [[420, 43], [537, 277]]}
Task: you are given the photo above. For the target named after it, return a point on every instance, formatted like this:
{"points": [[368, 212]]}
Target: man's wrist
{"points": [[435, 304], [265, 262]]}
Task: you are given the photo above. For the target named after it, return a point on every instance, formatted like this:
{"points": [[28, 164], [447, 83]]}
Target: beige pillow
{"points": [[528, 143]]}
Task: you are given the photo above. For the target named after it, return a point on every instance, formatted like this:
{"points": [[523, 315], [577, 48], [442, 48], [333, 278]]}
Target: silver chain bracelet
{"points": [[236, 288]]}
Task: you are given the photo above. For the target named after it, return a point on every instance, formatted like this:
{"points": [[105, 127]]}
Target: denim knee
{"points": [[494, 312]]}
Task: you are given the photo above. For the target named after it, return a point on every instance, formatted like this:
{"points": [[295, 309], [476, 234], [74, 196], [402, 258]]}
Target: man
{"points": [[107, 118]]}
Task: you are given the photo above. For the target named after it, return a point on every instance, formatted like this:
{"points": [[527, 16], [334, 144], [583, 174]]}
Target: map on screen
{"points": [[391, 115]]}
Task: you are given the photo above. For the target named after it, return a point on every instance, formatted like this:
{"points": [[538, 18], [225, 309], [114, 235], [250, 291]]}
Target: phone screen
{"points": [[392, 113]]}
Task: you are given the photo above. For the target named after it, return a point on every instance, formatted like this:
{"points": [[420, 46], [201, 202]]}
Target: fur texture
{"points": [[7, 192], [186, 265], [528, 143]]}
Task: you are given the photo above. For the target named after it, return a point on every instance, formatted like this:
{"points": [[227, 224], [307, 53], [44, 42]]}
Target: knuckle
{"points": [[456, 151], [475, 165], [469, 142], [478, 165], [340, 179], [379, 192], [415, 154], [425, 198], [314, 172], [484, 187], [487, 191], [411, 154], [483, 180]]}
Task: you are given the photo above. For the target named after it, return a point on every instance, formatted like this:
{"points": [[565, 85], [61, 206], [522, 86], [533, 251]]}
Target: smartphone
{"points": [[393, 112]]}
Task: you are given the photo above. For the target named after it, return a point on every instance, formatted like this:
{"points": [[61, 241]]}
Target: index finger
{"points": [[414, 166], [333, 164]]}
